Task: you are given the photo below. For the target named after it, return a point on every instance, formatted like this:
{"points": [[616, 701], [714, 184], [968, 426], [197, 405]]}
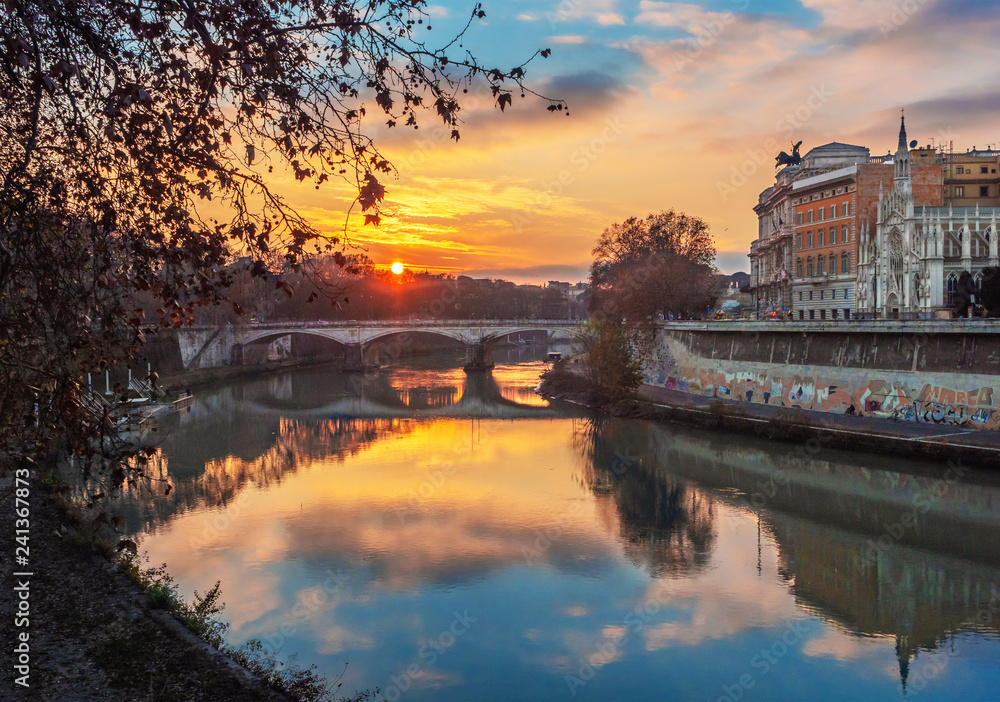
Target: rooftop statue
{"points": [[784, 159]]}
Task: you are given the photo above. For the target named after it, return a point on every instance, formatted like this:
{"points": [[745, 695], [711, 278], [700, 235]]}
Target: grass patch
{"points": [[201, 618]]}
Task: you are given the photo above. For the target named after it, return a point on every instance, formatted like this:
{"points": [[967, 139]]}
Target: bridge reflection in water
{"points": [[890, 562]]}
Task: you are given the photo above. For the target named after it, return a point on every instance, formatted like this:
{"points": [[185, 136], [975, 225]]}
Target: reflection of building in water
{"points": [[862, 546], [664, 523], [920, 599]]}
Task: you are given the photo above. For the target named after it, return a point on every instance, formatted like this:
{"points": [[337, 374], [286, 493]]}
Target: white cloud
{"points": [[610, 18], [853, 14], [436, 11], [691, 18], [569, 10], [568, 39], [526, 17]]}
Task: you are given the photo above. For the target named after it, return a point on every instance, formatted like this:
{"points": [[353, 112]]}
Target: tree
{"points": [[611, 368], [965, 291], [644, 267], [990, 291], [135, 144]]}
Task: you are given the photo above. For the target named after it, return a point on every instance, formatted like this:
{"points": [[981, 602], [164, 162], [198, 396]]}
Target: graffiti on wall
{"points": [[958, 415], [867, 396], [838, 390]]}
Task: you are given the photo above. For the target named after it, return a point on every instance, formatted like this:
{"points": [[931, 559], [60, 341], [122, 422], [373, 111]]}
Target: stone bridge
{"points": [[205, 347]]}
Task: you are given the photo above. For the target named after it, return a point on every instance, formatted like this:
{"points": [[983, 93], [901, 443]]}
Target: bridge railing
{"points": [[382, 323]]}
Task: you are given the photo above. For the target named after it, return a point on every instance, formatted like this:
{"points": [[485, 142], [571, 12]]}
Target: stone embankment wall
{"points": [[944, 372]]}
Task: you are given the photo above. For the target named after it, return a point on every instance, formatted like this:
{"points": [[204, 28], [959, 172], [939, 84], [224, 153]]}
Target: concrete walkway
{"points": [[863, 433]]}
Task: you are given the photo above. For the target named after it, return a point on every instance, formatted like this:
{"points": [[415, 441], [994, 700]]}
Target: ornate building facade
{"points": [[910, 262]]}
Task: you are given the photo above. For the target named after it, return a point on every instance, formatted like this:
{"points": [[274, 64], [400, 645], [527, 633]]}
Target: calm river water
{"points": [[455, 538]]}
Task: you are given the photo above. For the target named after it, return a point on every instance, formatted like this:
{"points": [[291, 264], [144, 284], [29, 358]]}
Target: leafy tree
{"points": [[611, 368], [989, 292], [663, 264], [135, 143], [964, 291]]}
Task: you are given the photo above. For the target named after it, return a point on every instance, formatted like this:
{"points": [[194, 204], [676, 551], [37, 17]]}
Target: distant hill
{"points": [[724, 281], [741, 279]]}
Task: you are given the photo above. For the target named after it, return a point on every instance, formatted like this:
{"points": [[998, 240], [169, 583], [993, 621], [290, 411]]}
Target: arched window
{"points": [[809, 239], [798, 268], [845, 234], [809, 267], [821, 237], [952, 285], [845, 263], [820, 265]]}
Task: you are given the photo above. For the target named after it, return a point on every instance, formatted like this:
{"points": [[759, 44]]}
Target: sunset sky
{"points": [[668, 103]]}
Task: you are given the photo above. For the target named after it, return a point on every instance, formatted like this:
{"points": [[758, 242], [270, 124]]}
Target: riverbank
{"points": [[884, 436], [93, 635]]}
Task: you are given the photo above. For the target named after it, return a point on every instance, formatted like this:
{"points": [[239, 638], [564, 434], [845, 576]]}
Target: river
{"points": [[455, 538]]}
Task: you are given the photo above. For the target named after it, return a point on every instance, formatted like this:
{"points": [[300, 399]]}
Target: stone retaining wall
{"points": [[940, 372]]}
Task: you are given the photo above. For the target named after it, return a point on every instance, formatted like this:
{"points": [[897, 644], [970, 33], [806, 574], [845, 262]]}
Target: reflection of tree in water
{"points": [[298, 443], [665, 523]]}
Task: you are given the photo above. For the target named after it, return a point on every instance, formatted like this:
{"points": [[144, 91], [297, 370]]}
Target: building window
{"points": [[820, 264], [822, 314], [845, 234], [822, 294], [959, 191], [984, 191], [812, 314], [835, 314], [810, 295], [800, 296], [845, 209], [984, 169], [809, 217], [798, 218], [802, 315], [833, 235], [822, 213], [951, 288], [960, 171], [821, 237], [845, 264], [800, 240], [809, 271], [809, 238], [798, 270]]}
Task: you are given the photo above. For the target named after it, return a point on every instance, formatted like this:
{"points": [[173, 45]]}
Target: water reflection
{"points": [[647, 561], [666, 525], [894, 574]]}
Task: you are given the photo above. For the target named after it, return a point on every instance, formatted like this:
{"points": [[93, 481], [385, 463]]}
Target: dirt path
{"points": [[92, 633]]}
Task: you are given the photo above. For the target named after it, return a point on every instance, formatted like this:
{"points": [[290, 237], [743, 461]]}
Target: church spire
{"points": [[902, 158], [902, 148]]}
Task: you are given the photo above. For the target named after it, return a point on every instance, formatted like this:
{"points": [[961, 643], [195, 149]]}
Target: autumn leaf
{"points": [[372, 192], [503, 100]]}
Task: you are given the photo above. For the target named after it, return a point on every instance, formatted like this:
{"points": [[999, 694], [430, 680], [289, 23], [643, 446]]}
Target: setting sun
{"points": [[397, 268]]}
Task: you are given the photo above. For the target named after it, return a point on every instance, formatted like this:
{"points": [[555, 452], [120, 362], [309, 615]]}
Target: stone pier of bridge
{"points": [[478, 357]]}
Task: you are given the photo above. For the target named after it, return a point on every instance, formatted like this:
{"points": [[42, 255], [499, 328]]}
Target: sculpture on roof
{"points": [[785, 159]]}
